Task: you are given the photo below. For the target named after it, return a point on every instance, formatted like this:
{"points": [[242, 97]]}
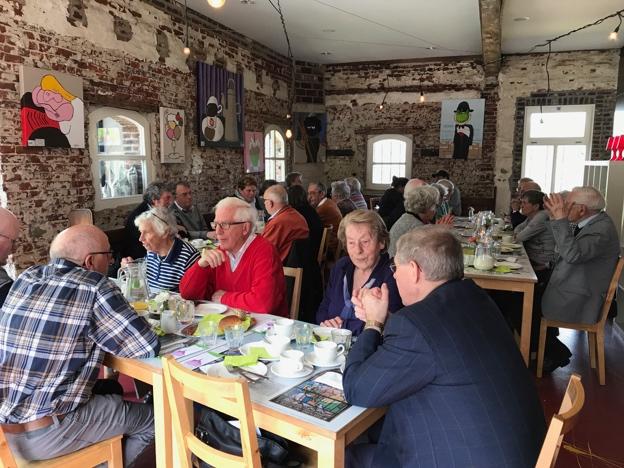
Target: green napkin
{"points": [[217, 318], [240, 361], [259, 352], [502, 269]]}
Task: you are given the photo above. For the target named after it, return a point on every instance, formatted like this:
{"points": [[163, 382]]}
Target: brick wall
{"points": [[129, 54], [309, 83]]}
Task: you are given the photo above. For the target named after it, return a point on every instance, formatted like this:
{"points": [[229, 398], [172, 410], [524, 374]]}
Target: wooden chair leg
{"points": [[600, 349], [541, 348], [591, 342]]}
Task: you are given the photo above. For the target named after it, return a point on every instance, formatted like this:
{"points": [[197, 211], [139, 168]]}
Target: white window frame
{"points": [[407, 139], [586, 140], [268, 129], [141, 120]]}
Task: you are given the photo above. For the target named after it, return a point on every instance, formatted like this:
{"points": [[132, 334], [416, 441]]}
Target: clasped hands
{"points": [[371, 304]]}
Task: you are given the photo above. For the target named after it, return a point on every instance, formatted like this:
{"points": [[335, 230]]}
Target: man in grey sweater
{"points": [[188, 216]]}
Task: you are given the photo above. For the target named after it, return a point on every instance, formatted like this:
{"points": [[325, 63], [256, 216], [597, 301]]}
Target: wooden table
{"points": [[328, 439]]}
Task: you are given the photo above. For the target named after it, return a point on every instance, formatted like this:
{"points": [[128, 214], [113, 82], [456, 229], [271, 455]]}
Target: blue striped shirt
{"points": [[165, 273], [56, 324]]}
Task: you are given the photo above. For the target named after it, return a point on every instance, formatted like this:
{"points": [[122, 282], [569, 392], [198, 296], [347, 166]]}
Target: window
{"points": [[120, 148], [557, 142], [274, 154], [388, 155]]}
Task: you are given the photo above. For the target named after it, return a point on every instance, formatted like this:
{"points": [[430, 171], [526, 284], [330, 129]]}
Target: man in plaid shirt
{"points": [[56, 325]]}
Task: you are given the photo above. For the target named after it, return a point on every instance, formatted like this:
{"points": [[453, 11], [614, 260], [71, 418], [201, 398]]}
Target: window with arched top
{"points": [[387, 156], [120, 147], [274, 154]]}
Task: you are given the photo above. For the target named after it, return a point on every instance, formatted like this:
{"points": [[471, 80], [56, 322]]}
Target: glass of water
{"points": [[303, 334], [185, 311], [208, 331], [234, 337], [342, 336]]}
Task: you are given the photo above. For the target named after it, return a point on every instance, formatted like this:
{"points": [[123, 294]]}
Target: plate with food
{"points": [[227, 321]]}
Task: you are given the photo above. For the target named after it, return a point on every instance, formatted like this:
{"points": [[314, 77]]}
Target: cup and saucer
{"points": [[284, 327], [291, 365], [326, 354]]}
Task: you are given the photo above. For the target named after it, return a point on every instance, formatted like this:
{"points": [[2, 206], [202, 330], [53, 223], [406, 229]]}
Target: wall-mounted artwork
{"points": [[220, 106], [310, 129], [254, 152], [172, 135], [52, 109], [461, 128]]}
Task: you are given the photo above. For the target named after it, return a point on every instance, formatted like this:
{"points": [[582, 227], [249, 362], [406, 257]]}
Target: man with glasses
{"points": [[9, 231], [446, 366], [245, 271], [58, 322], [187, 214]]}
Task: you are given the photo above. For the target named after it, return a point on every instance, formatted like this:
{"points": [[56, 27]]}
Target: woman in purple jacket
{"points": [[365, 237]]}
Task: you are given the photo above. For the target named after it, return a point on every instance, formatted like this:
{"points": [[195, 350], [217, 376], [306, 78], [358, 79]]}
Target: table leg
{"points": [[527, 318], [162, 424], [332, 455]]}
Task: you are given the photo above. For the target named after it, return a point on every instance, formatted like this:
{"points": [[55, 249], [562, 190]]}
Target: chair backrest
{"points": [[322, 252], [6, 456], [562, 422], [615, 279], [295, 297], [80, 216], [373, 203], [229, 396]]}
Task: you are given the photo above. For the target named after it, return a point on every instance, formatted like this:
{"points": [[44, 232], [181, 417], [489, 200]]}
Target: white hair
{"points": [[162, 220], [341, 190], [421, 199], [590, 197], [354, 184], [243, 211]]}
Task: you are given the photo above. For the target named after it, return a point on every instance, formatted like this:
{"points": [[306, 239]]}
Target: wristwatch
{"points": [[375, 325]]}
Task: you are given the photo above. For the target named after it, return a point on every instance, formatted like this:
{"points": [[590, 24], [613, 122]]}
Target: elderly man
{"points": [[57, 323], [327, 210], [446, 366], [9, 231], [341, 194], [584, 263], [156, 194], [355, 188], [524, 185], [399, 209], [293, 178], [245, 271], [285, 224], [187, 214]]}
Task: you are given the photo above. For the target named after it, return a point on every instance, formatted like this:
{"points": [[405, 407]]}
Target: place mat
{"points": [[315, 397]]}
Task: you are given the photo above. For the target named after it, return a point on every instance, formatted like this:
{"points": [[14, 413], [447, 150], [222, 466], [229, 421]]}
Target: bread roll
{"points": [[229, 321]]}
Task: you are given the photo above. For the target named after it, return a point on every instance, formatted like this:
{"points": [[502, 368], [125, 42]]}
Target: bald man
{"points": [[58, 322], [9, 231], [285, 224]]}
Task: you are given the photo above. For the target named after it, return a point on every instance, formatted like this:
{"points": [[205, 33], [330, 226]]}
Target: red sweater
{"points": [[287, 226], [257, 284]]}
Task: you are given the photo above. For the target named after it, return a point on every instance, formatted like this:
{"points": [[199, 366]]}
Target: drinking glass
{"points": [[303, 334], [342, 336], [168, 321], [234, 337], [185, 311], [208, 331]]}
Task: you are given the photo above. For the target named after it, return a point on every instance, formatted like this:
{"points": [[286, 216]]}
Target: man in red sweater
{"points": [[285, 224], [245, 271]]}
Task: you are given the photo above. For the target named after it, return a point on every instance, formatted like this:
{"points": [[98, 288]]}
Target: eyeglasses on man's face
{"points": [[109, 253], [225, 225]]}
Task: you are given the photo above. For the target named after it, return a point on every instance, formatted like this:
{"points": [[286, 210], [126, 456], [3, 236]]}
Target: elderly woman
{"points": [[364, 235], [534, 233], [443, 207], [420, 209], [168, 257], [355, 188], [340, 194]]}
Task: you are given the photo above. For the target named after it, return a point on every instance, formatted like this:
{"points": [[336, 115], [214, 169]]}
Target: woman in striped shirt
{"points": [[168, 257]]}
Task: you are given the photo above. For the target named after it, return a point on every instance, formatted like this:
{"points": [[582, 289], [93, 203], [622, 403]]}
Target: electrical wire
{"points": [[291, 89]]}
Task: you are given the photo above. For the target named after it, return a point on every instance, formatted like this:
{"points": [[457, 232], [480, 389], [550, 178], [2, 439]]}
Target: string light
{"points": [[422, 96], [614, 34], [187, 49], [216, 3], [288, 133]]}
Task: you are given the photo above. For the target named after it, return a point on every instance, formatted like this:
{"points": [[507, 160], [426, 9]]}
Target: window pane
{"points": [[269, 168], [558, 125], [389, 150], [269, 147], [119, 178], [538, 164], [119, 135], [280, 173], [570, 167], [377, 179]]}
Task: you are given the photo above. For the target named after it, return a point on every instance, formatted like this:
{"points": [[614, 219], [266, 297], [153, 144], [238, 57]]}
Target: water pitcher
{"points": [[134, 281]]}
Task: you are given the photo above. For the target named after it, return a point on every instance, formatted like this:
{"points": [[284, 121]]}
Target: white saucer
{"points": [[310, 358], [277, 370], [511, 245], [207, 308], [510, 265], [219, 370], [244, 349]]}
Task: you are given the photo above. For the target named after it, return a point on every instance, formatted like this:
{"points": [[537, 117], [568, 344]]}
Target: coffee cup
{"points": [[327, 351], [277, 344], [291, 361], [284, 327], [507, 238]]}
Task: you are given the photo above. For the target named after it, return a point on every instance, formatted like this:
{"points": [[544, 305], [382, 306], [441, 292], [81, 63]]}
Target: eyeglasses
{"points": [[106, 252], [158, 217], [225, 226]]}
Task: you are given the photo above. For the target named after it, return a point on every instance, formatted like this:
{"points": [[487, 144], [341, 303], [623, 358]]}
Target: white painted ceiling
{"points": [[365, 30]]}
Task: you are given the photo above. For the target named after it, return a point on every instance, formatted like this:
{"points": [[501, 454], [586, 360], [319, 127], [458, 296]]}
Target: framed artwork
{"points": [[461, 128], [254, 152], [310, 130], [220, 106], [51, 109], [172, 147]]}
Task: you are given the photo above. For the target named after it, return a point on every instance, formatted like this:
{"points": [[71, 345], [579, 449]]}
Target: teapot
{"points": [[133, 279]]}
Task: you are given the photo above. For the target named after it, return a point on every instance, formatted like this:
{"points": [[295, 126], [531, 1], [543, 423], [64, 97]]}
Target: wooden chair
{"points": [[229, 396], [562, 422], [107, 451], [373, 203], [595, 331], [297, 275], [80, 216], [322, 252]]}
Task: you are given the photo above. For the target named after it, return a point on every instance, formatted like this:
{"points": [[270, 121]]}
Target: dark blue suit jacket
{"points": [[457, 390]]}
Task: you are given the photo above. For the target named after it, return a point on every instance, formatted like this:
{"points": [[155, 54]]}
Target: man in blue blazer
{"points": [[446, 366]]}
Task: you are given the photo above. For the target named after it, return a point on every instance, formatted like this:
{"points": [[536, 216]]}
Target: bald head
{"points": [[78, 243], [9, 231], [277, 198], [412, 184]]}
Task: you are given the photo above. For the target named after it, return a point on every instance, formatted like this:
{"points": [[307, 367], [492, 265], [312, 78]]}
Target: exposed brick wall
{"points": [[309, 83], [138, 65]]}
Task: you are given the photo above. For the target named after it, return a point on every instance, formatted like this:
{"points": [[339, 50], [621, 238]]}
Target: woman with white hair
{"points": [[168, 257], [356, 193], [340, 194]]}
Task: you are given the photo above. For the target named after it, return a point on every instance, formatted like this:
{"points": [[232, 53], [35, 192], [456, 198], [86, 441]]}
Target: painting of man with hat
{"points": [[461, 130]]}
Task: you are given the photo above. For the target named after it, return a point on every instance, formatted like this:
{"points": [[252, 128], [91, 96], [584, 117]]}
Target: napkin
{"points": [[241, 361], [259, 352], [502, 269]]}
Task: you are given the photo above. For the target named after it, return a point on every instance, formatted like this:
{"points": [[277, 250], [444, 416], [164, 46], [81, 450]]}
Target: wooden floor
{"points": [[600, 430]]}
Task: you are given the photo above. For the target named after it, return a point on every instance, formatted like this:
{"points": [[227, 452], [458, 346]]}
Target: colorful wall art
{"points": [[254, 152], [461, 128], [172, 135], [220, 106], [310, 144], [52, 109]]}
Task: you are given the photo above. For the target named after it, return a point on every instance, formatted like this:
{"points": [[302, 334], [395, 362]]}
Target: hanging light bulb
{"points": [[186, 50], [614, 34], [422, 96], [288, 133], [381, 106], [216, 3], [288, 116]]}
